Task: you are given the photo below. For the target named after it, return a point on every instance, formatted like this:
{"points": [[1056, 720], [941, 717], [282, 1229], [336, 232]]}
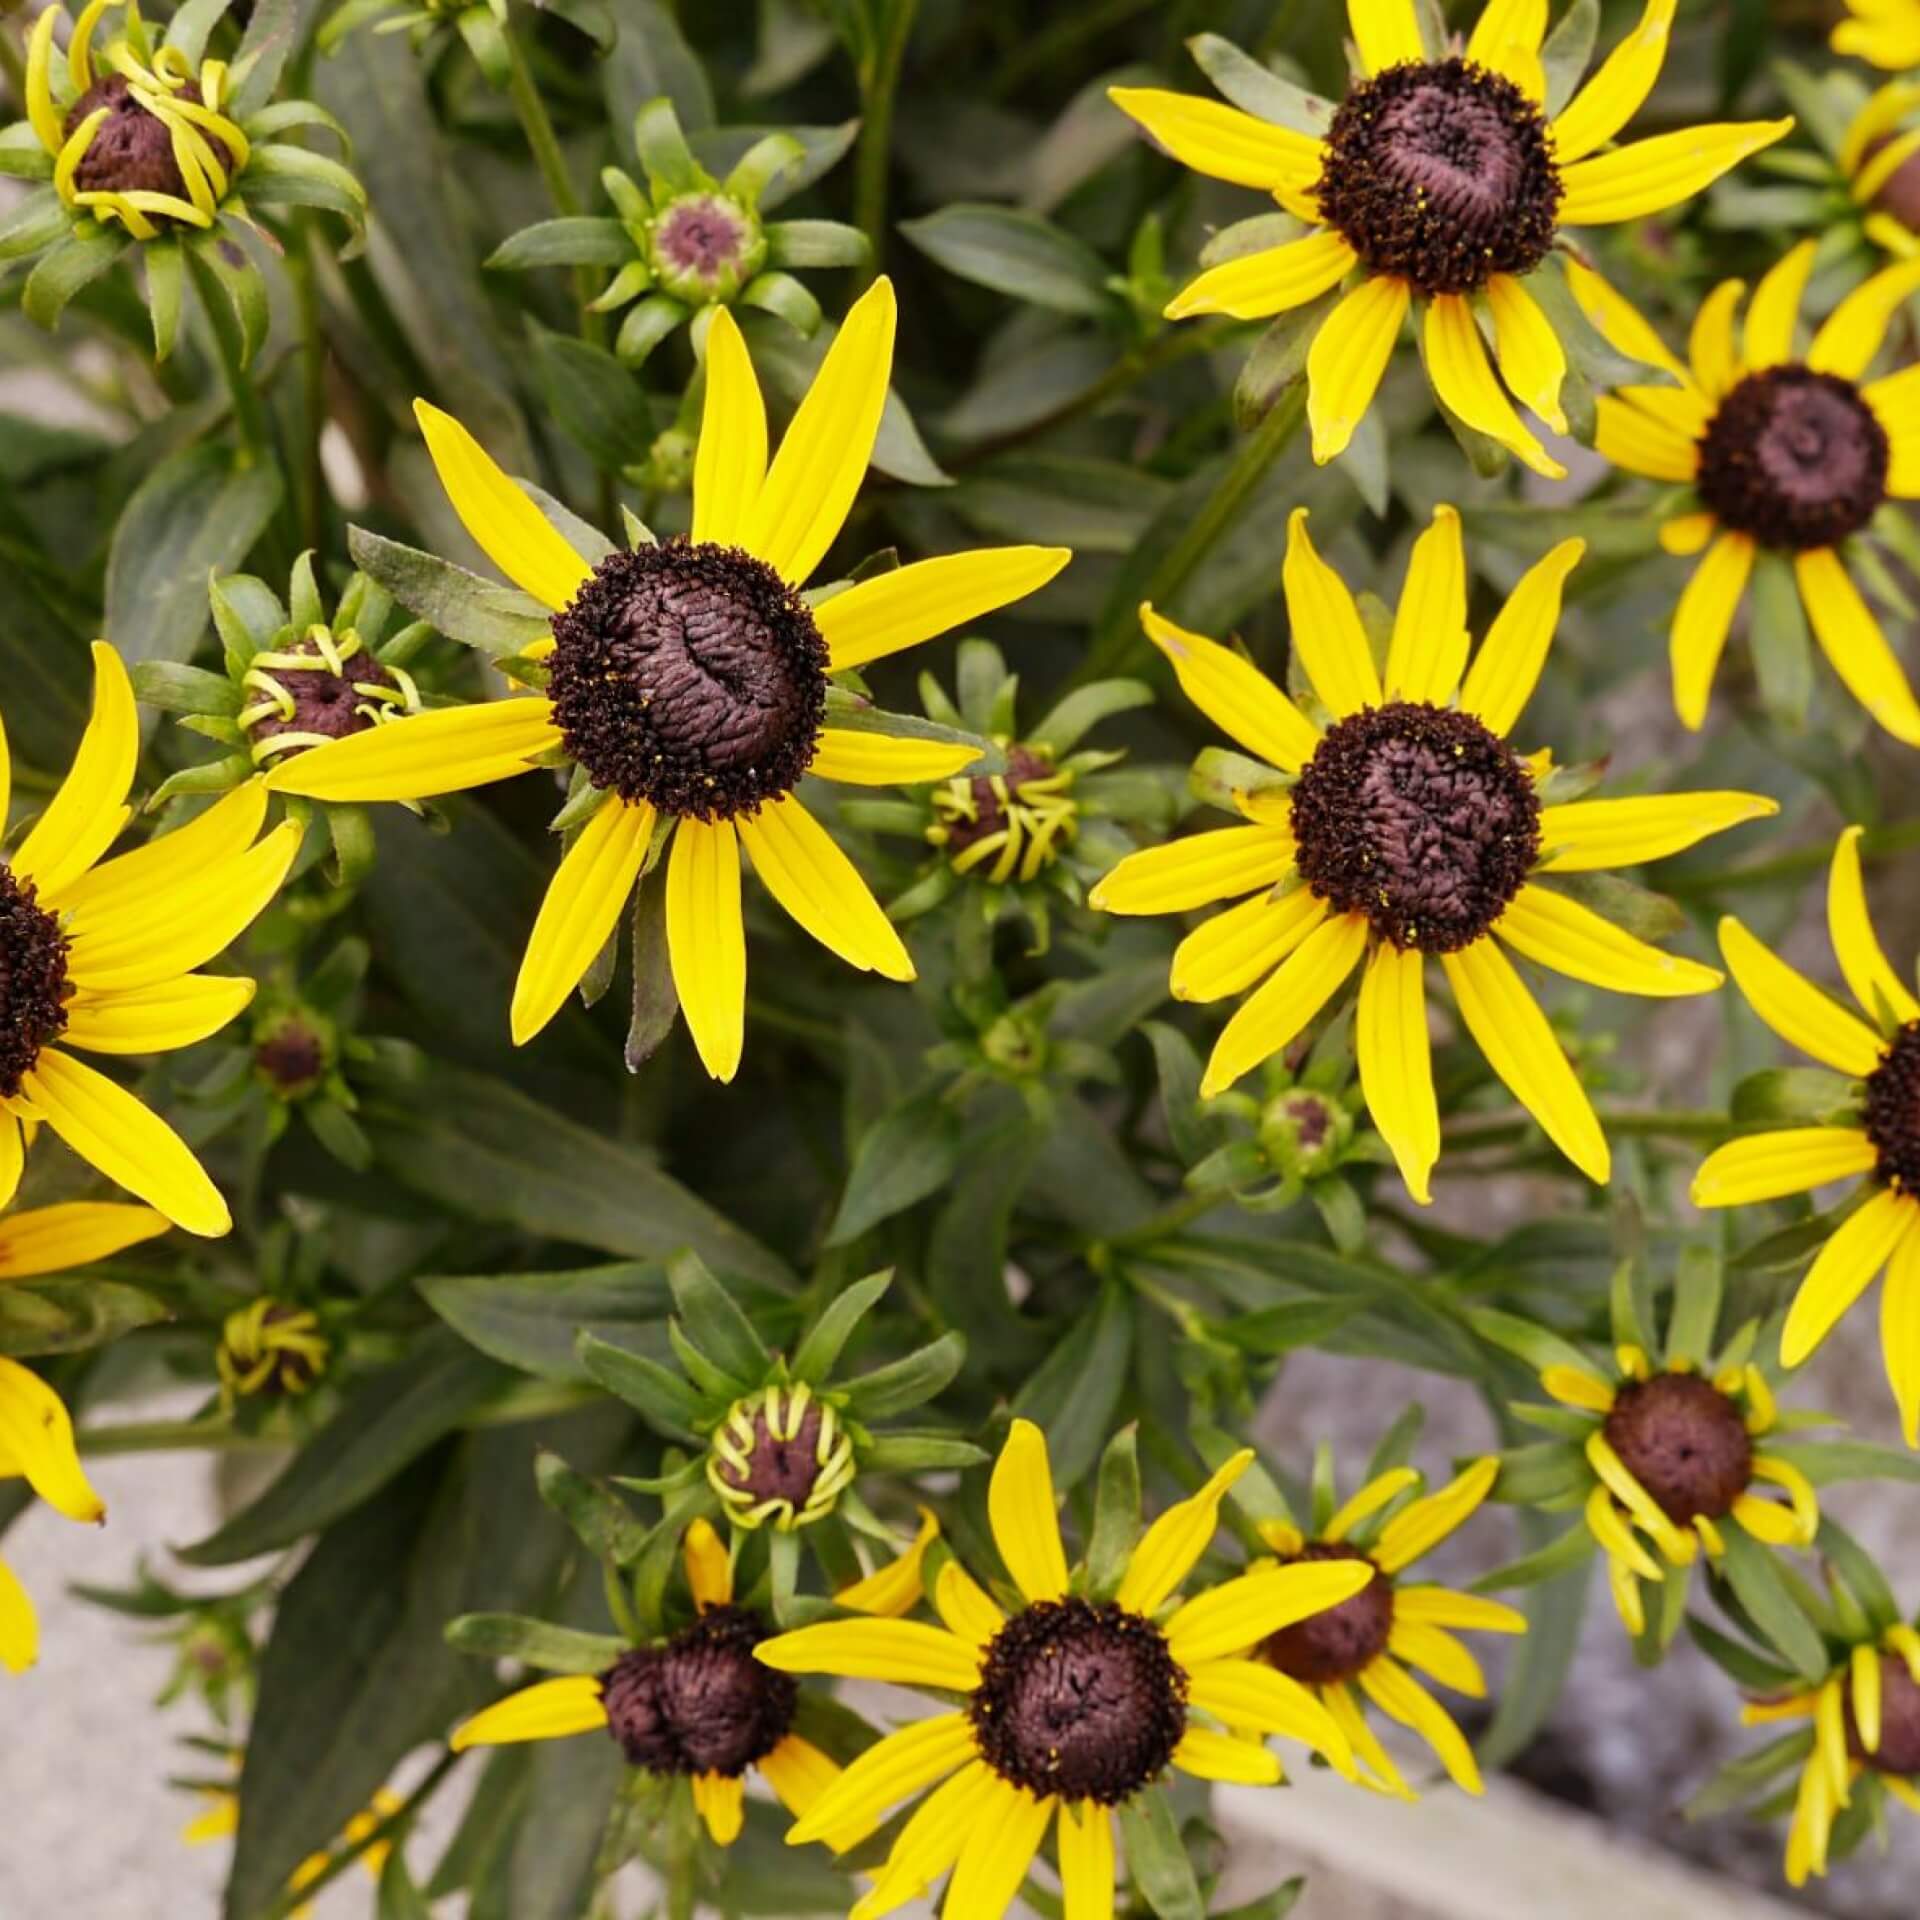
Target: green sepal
{"points": [[1116, 1513], [607, 1526], [534, 1643], [657, 1394], [819, 1350]]}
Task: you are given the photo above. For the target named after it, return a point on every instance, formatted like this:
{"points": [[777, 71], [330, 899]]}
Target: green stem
{"points": [[249, 414], [537, 124], [879, 82], [310, 483], [1179, 1212]]}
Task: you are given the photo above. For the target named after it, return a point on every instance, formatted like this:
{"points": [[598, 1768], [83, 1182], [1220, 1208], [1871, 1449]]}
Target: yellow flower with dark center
{"points": [[321, 686], [1880, 162], [1876, 1137], [1006, 827], [1072, 1707], [782, 1454], [1885, 33], [270, 1346], [1369, 1641], [100, 956], [36, 1434], [689, 681], [697, 1706], [1786, 454], [1865, 1725], [1444, 178], [1394, 824]]}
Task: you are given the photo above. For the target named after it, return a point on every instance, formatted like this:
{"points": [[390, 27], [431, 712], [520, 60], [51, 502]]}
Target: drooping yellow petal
{"points": [[109, 1129], [1769, 1166], [931, 1840], [1633, 438], [802, 866], [965, 1607], [1617, 320], [1387, 32], [505, 524], [13, 1156], [1168, 1549], [1457, 364], [1900, 1333], [1234, 694], [1024, 1514], [1503, 675], [224, 830], [899, 609], [1442, 1607], [1396, 1063], [1219, 865], [811, 485], [799, 1773], [888, 1771], [1348, 358], [156, 1019], [1274, 280], [1851, 638], [1648, 176], [996, 1855], [548, 1710], [1844, 1269], [1401, 1697], [1251, 1694], [74, 1234], [1865, 966], [707, 941], [720, 1800], [1419, 1528], [85, 816], [1688, 533], [1381, 1775], [1576, 1387], [1437, 1654], [895, 1588], [1560, 933], [860, 759], [19, 1625], [1795, 1008], [583, 905], [1240, 1613], [731, 460], [445, 750], [1224, 1756], [907, 1652], [42, 110], [1506, 1022], [1776, 306], [1852, 333], [1701, 621], [36, 1439], [1273, 1016], [1221, 141], [1532, 361], [1583, 836], [1429, 646], [1244, 944], [1086, 1856], [1617, 89], [1328, 639], [709, 1565]]}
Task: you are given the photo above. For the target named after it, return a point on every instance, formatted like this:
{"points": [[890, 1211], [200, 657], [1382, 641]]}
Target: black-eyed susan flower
{"points": [[688, 682], [1073, 1702], [270, 1347], [1885, 33], [1787, 453], [1869, 1130], [99, 955], [1443, 177], [1393, 822], [694, 1706], [143, 141], [1363, 1648]]}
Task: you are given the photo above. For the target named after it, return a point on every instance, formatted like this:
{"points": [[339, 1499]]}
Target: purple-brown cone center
{"points": [[131, 150], [1327, 1648], [1893, 1111], [778, 1468], [1685, 1442], [33, 980], [1899, 1748], [700, 1702], [324, 702]]}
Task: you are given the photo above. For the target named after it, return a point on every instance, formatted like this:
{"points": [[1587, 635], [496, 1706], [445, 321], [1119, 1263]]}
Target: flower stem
{"points": [[249, 416], [310, 485], [537, 124], [879, 81]]}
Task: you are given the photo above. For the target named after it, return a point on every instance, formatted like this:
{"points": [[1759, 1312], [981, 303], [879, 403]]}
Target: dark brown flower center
{"points": [[1326, 1648], [33, 980], [700, 1702], [1685, 1442], [778, 1467], [330, 704], [291, 1056], [1420, 819], [1893, 1111], [990, 816], [1442, 175], [1079, 1700], [131, 150], [690, 676], [1899, 1749], [1794, 458]]}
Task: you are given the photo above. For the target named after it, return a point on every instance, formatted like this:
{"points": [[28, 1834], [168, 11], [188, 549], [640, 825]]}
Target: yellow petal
{"points": [[1852, 333], [1086, 1854], [74, 1234], [1843, 1270], [1617, 89], [1457, 365], [1024, 1514], [19, 1626], [1196, 871], [1716, 366], [1238, 1614], [1688, 533], [1583, 836], [83, 819], [1506, 1021], [800, 864], [1304, 982], [1562, 934], [1889, 37], [1429, 646], [1857, 649], [224, 830], [36, 1439], [1442, 1607], [1381, 1491], [1396, 1063], [1769, 1166], [1900, 1333], [731, 460], [1776, 306], [707, 941], [901, 608], [1235, 695], [811, 485], [1244, 944], [1632, 438], [1437, 1654], [1169, 1548], [931, 1840], [1648, 176], [1865, 966], [1224, 1756], [720, 1799], [709, 1565], [1348, 358], [108, 1128], [446, 750], [1795, 1008], [1221, 141], [1251, 1694], [1895, 400], [965, 1607], [1501, 680], [1398, 1695], [1575, 1387], [1274, 280], [42, 110], [894, 1588], [1685, 410], [886, 760], [505, 524], [888, 1771], [996, 1855], [1328, 639], [1386, 32], [1532, 361], [797, 1771], [1617, 320], [1701, 621], [1506, 40], [547, 1710], [583, 905], [1419, 1528], [156, 1019], [907, 1652]]}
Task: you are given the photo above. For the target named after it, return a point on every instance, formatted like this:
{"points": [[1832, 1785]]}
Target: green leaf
{"points": [[1799, 1096], [594, 398], [1573, 1548], [1298, 1323], [1536, 1345], [1157, 1859], [920, 1453], [530, 1320], [67, 1316], [68, 266], [1116, 1512], [906, 1383], [714, 1321], [1015, 253], [512, 1636], [1828, 1462], [1542, 1657], [400, 1899], [1697, 1283], [1861, 1573], [1073, 1395], [607, 1526], [579, 241], [1567, 50], [1749, 1569], [909, 1152], [1781, 644], [174, 688], [1258, 89], [658, 1395], [651, 59], [1741, 1665], [815, 1357]]}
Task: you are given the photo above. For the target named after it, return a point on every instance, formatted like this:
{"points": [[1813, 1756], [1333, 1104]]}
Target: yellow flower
{"points": [[1879, 1140], [1389, 192], [1880, 161], [738, 1716], [99, 956], [272, 1346], [1785, 455], [1865, 1719], [1331, 877], [1168, 1691], [1885, 33], [689, 685], [1371, 1640]]}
